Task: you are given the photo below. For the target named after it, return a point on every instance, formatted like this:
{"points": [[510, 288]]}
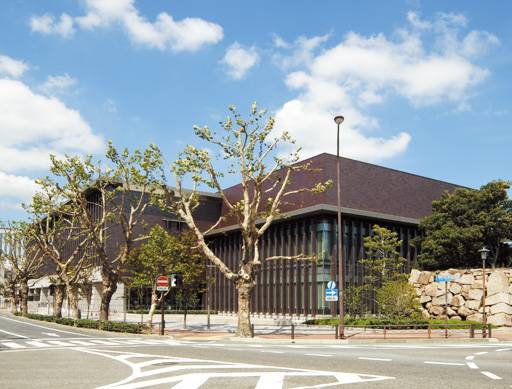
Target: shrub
{"points": [[397, 299], [114, 326]]}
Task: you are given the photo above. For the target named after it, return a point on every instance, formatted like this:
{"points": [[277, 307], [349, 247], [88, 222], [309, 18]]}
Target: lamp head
{"points": [[484, 251], [339, 119]]}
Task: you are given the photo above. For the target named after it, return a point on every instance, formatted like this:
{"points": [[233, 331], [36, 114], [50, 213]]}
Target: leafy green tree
{"points": [[165, 252], [259, 158], [397, 300], [382, 263], [462, 222]]}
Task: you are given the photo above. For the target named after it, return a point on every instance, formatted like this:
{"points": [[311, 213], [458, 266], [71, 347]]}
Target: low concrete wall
{"points": [[465, 295]]}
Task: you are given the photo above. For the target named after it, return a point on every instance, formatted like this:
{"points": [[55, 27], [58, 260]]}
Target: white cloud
{"points": [[239, 60], [33, 126], [426, 63], [15, 189], [302, 50], [189, 34], [46, 24], [58, 84], [12, 67]]}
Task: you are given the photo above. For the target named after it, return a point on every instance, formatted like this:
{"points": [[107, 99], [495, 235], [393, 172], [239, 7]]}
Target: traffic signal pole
{"points": [[162, 306]]}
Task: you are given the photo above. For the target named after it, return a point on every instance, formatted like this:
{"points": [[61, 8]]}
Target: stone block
{"points": [[497, 283], [455, 318], [424, 277], [499, 298], [475, 294], [458, 301], [464, 312], [425, 314], [473, 304], [478, 284], [501, 308], [500, 319], [442, 300], [451, 312], [425, 299], [431, 290], [475, 317], [466, 279], [413, 278], [436, 310], [455, 288]]}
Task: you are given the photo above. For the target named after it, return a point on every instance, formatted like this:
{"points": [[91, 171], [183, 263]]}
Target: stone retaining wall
{"points": [[465, 295]]}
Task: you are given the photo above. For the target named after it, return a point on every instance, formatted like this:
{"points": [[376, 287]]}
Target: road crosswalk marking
{"points": [[36, 344], [27, 344], [13, 345]]}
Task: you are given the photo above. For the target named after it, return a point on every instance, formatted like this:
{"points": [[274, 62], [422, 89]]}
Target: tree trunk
{"points": [[72, 291], [152, 309], [58, 300], [109, 287], [244, 289], [24, 297], [12, 291]]}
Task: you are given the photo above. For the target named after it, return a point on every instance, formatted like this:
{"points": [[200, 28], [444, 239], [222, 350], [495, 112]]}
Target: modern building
{"points": [[370, 195]]}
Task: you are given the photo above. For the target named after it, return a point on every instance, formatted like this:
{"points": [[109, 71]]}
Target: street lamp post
{"points": [[341, 269], [483, 253]]}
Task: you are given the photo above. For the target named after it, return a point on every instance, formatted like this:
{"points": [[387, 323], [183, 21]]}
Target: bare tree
{"points": [[23, 258], [57, 233], [255, 155], [110, 200]]}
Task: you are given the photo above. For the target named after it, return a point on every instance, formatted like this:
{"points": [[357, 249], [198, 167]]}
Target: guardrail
{"points": [[429, 331]]}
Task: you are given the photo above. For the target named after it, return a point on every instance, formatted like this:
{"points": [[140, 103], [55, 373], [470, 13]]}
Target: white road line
{"points": [[504, 349], [470, 358], [375, 359], [82, 343], [13, 345], [13, 334], [58, 343], [36, 344], [97, 341], [444, 363], [491, 376], [255, 345], [472, 365], [482, 353], [271, 352], [51, 334], [39, 326], [319, 355]]}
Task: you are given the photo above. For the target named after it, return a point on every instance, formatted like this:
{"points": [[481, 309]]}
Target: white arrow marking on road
{"points": [[51, 334]]}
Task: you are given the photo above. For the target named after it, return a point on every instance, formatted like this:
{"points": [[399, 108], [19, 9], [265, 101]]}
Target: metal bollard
{"points": [[252, 330], [384, 332], [429, 331], [489, 330], [293, 331], [336, 332], [471, 331]]}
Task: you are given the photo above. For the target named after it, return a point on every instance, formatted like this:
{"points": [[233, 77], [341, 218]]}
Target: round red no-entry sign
{"points": [[162, 283]]}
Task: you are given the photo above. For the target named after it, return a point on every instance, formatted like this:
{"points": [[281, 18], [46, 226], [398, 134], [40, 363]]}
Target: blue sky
{"points": [[425, 86]]}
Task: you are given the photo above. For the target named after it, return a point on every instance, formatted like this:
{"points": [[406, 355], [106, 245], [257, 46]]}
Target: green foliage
{"points": [[176, 254], [404, 323], [112, 326], [462, 222], [397, 299], [355, 300], [382, 261]]}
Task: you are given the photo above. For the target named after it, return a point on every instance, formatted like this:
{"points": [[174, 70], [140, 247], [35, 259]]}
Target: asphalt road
{"points": [[30, 357]]}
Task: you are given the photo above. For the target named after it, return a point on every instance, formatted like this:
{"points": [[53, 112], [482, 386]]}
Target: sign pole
{"points": [[446, 308], [162, 322]]}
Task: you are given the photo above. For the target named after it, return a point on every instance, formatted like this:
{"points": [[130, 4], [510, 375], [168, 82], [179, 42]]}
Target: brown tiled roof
{"points": [[364, 187]]}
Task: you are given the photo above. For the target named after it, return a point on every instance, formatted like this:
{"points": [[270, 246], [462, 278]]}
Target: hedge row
{"points": [[406, 323], [112, 326], [174, 311]]}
